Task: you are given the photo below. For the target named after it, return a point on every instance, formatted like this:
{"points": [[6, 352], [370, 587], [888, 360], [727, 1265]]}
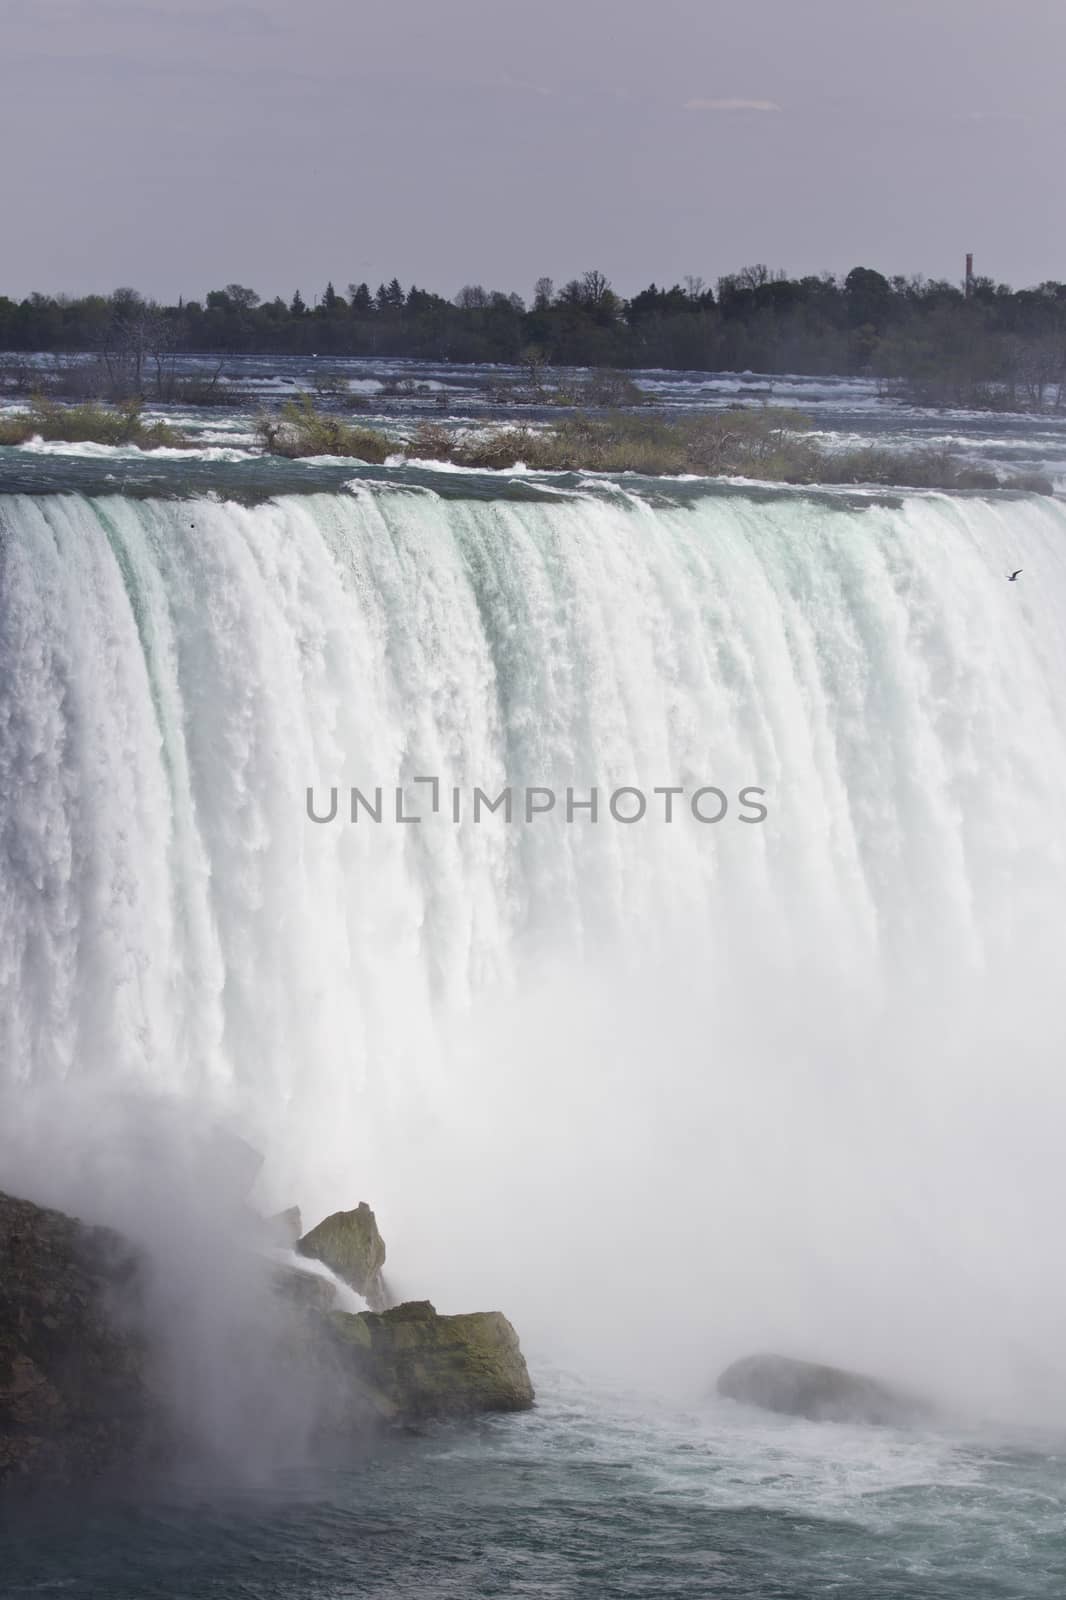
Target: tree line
{"points": [[989, 345]]}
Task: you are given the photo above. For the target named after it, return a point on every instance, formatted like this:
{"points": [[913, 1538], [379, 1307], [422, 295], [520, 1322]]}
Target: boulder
{"points": [[823, 1394], [413, 1364], [74, 1394], [349, 1243]]}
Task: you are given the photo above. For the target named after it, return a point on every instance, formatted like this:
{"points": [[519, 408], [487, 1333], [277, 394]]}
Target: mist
{"points": [[235, 1400]]}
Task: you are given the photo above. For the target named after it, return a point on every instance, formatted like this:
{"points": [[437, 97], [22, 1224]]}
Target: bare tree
{"points": [[137, 333], [596, 288], [753, 277]]}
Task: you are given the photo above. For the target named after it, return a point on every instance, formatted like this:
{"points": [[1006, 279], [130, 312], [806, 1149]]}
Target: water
{"points": [[664, 1093], [594, 1494]]}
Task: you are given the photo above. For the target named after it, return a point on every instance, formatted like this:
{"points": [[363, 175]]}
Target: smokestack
{"points": [[969, 275]]}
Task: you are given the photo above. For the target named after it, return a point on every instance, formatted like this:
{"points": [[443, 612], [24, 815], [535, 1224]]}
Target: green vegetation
{"points": [[928, 340], [89, 423], [300, 430], [770, 444]]}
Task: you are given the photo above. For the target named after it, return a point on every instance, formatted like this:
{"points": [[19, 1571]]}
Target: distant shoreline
{"points": [[979, 345]]}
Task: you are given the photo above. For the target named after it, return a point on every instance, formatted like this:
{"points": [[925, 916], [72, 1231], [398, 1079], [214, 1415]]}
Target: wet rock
{"points": [[415, 1364], [74, 1391], [820, 1393], [304, 1291], [350, 1244], [86, 1395]]}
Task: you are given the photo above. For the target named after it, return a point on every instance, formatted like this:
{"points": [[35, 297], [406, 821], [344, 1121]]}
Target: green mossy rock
{"points": [[420, 1365], [350, 1244]]}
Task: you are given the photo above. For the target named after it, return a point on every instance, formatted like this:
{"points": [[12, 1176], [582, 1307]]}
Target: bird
{"points": [[1011, 576]]}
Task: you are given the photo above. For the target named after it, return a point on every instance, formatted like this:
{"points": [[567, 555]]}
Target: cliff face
{"points": [[74, 1396], [81, 1389]]}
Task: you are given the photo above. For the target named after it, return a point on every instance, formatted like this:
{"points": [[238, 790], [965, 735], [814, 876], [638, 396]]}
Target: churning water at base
{"points": [[665, 1092], [592, 1497]]}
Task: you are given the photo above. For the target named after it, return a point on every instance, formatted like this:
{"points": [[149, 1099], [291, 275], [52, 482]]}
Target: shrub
{"points": [[431, 442], [300, 430], [502, 449], [602, 387], [330, 383], [87, 424], [15, 430]]}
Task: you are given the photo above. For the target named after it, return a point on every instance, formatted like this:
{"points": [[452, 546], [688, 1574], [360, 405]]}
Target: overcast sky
{"points": [[179, 145]]}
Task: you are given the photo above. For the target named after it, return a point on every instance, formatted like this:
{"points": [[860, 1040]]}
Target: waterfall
{"points": [[690, 1015]]}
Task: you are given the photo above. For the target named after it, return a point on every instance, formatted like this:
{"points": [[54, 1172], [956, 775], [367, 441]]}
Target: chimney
{"points": [[969, 275]]}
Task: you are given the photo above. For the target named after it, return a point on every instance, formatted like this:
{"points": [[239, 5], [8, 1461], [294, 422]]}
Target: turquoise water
{"points": [[592, 1495]]}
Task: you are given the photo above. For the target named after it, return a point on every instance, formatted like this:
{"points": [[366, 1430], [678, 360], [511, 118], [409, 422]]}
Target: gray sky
{"points": [[182, 144]]}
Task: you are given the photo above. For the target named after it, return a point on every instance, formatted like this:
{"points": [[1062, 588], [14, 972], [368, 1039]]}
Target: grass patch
{"points": [[735, 443], [767, 443], [86, 424], [770, 444], [300, 430]]}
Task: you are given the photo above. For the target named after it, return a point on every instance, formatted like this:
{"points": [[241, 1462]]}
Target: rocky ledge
{"points": [[83, 1391]]}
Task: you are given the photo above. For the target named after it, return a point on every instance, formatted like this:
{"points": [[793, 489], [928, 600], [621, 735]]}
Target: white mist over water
{"points": [[662, 1093]]}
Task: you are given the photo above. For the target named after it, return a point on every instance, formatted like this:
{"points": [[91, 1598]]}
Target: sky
{"points": [[179, 145]]}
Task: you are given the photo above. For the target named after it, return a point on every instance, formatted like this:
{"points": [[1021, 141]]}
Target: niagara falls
{"points": [[532, 801], [668, 1092]]}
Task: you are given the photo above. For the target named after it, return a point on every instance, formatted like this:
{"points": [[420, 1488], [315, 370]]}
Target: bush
{"points": [[431, 442], [300, 430], [603, 387], [329, 383], [87, 424], [495, 452], [15, 430]]}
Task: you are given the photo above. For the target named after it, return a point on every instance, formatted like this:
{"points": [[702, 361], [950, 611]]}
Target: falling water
{"points": [[799, 1077]]}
